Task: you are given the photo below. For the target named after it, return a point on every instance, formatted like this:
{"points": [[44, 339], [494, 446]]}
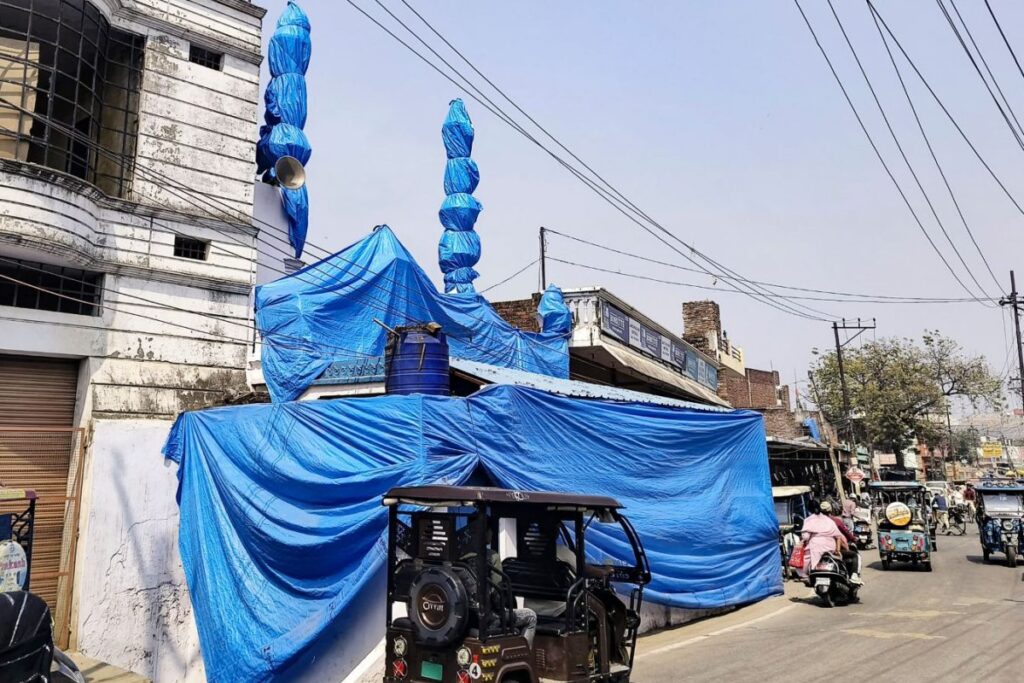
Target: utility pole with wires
{"points": [[1015, 301], [543, 261], [861, 328]]}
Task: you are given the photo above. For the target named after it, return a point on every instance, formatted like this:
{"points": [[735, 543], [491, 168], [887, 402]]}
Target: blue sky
{"points": [[719, 119]]}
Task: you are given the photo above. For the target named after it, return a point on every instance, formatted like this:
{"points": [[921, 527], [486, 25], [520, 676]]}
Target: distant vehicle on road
{"points": [[460, 622], [1001, 520], [903, 520], [791, 509]]}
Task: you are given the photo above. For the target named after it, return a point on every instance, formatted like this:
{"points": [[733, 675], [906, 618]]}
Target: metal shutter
{"points": [[37, 392], [40, 450]]}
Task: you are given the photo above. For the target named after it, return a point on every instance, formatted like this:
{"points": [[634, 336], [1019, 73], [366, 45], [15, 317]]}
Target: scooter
{"points": [[862, 529], [831, 581]]}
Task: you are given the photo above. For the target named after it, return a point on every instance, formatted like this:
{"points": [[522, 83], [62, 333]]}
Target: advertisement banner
{"points": [[615, 323], [991, 450]]}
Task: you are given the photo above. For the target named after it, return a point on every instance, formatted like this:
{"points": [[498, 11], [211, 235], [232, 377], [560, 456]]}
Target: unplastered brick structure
{"points": [[702, 325], [521, 313]]}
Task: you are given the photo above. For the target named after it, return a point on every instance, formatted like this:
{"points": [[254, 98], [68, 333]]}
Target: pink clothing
{"points": [[819, 535], [849, 507]]}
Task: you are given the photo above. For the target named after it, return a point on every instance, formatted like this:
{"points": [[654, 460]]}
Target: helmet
{"points": [[826, 506]]}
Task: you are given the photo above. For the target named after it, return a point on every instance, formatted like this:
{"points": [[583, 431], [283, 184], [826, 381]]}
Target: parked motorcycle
{"points": [[831, 581]]}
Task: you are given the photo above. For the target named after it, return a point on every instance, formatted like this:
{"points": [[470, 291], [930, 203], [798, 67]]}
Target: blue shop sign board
{"points": [[635, 334]]}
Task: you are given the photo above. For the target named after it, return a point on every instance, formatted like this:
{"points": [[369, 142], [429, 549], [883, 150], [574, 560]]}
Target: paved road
{"points": [[962, 622]]}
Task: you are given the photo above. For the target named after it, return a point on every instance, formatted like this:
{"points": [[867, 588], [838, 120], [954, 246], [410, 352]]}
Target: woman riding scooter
{"points": [[820, 535], [850, 555]]}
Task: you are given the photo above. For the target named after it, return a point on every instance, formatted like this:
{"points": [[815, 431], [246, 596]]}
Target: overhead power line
{"points": [[878, 152], [903, 154], [1006, 113], [649, 278], [511, 277], [613, 197], [853, 297], [1006, 40], [931, 150], [945, 110]]}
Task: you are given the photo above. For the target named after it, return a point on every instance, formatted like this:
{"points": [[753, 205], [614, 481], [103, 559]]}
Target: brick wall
{"points": [[781, 422], [521, 313], [758, 389], [702, 325]]}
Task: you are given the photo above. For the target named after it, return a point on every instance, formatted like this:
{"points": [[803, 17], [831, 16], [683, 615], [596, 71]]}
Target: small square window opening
{"points": [[188, 247], [203, 57]]}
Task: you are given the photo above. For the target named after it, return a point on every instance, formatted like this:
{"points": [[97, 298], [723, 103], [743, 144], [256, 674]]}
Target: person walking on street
{"points": [[971, 497], [941, 508]]}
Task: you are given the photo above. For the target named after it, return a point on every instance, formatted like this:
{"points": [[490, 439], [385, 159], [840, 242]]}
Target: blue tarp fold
{"points": [[286, 108], [460, 209], [326, 312], [555, 316], [263, 489]]}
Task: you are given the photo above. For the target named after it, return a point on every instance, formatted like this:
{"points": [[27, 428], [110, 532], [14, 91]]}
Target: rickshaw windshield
{"points": [[782, 511], [1003, 503]]}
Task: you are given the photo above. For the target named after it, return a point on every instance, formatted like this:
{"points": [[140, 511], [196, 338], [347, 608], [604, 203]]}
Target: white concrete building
{"points": [[127, 258]]}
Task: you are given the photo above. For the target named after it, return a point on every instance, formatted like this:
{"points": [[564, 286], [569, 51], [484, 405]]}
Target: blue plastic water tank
{"points": [[417, 361]]}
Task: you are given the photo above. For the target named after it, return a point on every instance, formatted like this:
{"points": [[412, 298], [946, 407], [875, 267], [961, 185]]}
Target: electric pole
{"points": [[543, 265], [1015, 301], [861, 328]]}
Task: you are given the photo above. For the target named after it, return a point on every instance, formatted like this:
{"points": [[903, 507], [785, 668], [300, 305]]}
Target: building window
{"points": [[188, 247], [203, 57], [46, 287], [69, 90]]}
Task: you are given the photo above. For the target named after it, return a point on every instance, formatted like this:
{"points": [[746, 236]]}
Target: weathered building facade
{"points": [[127, 257]]}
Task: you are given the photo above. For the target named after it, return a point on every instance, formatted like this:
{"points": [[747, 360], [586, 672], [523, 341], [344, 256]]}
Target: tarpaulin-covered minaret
{"points": [[285, 116], [459, 249]]}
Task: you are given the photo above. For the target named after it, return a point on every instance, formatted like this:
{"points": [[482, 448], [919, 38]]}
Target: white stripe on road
{"points": [[697, 639]]}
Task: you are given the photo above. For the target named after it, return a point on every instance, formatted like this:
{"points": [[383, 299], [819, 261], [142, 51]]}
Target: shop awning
{"points": [[632, 362]]}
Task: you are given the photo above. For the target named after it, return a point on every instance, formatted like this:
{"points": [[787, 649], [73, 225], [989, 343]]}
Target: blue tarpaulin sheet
{"points": [[326, 312], [265, 489]]}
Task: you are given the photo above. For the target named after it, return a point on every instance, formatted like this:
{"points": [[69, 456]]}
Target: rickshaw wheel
{"points": [[885, 563], [1011, 557], [984, 554], [928, 566]]}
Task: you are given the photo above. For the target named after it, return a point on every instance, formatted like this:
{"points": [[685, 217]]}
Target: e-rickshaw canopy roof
{"points": [[896, 486], [788, 491], [987, 488], [488, 494]]}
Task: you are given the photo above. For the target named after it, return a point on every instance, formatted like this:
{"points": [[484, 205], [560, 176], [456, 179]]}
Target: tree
{"points": [[966, 443], [900, 391]]}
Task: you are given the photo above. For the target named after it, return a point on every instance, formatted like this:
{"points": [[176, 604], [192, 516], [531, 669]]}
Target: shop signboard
{"points": [[621, 326], [991, 449]]}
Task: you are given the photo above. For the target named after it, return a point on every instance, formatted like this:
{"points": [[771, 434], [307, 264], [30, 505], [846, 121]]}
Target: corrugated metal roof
{"points": [[568, 387]]}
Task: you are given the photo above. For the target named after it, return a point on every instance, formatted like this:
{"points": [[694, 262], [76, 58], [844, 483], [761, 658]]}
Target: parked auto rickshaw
{"points": [[791, 509], [1000, 525], [451, 600], [903, 516]]}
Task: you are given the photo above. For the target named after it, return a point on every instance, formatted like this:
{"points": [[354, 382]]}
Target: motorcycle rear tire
{"points": [[825, 596]]}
